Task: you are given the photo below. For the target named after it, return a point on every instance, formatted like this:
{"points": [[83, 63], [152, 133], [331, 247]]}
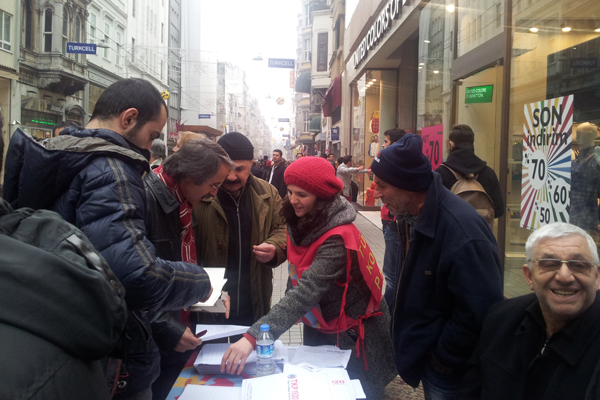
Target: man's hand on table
{"points": [[187, 342]]}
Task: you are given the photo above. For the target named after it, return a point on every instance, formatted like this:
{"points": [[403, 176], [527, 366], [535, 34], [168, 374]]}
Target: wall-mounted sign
{"points": [[81, 48], [546, 181], [165, 95], [379, 28], [292, 79], [280, 101], [204, 116], [282, 63], [584, 62], [433, 139], [479, 94], [283, 120], [335, 133]]}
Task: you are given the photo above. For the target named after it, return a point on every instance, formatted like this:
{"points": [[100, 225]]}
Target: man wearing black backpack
{"points": [[93, 178], [462, 159]]}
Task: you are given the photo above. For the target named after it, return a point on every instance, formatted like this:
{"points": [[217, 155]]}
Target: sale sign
{"points": [[433, 140], [546, 182]]}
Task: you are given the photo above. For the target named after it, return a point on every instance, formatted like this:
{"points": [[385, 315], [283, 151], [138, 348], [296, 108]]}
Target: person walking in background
{"points": [[345, 172], [275, 173], [334, 282], [451, 271], [158, 152]]}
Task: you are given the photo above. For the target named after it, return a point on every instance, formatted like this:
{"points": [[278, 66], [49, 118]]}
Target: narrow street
{"points": [[369, 224]]}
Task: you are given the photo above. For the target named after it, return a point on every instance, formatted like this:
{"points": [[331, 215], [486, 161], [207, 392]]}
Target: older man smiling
{"points": [[545, 345]]}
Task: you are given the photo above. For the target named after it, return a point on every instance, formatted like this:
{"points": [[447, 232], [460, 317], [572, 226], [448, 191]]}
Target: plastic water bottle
{"points": [[265, 351]]}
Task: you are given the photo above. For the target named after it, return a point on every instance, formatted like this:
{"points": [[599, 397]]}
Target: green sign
{"points": [[479, 94]]}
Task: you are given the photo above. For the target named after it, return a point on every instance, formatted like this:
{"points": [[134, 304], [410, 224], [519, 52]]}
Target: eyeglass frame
{"points": [[216, 187], [592, 265]]}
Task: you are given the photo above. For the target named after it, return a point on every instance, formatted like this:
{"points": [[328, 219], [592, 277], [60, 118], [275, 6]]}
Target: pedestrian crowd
{"points": [[106, 241]]}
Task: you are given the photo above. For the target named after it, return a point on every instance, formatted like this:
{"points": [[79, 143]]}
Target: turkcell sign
{"points": [[479, 94], [81, 48], [378, 30], [282, 63], [283, 120], [204, 116]]}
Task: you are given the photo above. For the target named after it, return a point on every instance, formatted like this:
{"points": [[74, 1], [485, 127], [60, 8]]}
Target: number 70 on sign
{"points": [[433, 137]]}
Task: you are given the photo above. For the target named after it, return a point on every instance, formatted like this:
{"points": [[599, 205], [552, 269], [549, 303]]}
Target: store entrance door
{"points": [[479, 105]]}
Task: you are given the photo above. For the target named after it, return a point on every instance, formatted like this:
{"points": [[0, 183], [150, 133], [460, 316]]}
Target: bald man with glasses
{"points": [[544, 345]]}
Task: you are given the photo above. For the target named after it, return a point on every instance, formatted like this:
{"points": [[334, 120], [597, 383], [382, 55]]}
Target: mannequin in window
{"points": [[585, 180]]}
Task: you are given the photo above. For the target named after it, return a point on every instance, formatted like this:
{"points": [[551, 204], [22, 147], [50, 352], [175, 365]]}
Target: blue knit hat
{"points": [[404, 165]]}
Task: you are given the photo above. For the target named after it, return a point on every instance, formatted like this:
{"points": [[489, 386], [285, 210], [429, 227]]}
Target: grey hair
{"points": [[558, 230], [197, 160], [158, 149]]}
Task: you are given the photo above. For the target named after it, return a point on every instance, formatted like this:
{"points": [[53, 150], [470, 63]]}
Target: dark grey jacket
{"points": [[318, 286]]}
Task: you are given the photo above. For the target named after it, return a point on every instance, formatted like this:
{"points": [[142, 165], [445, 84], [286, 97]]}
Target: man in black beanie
{"points": [[450, 276], [240, 230]]}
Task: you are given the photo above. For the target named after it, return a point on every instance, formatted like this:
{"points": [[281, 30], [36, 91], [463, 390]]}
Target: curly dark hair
{"points": [[309, 222]]}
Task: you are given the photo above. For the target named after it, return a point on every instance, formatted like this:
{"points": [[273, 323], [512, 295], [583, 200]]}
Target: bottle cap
{"points": [[265, 327]]}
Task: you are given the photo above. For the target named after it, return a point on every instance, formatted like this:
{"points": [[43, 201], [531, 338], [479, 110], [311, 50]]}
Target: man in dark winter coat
{"points": [[544, 345], [463, 160], [275, 174], [451, 271], [93, 179]]}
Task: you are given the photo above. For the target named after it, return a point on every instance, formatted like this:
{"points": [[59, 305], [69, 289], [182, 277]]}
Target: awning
{"points": [[303, 83], [315, 124], [333, 96], [207, 130]]}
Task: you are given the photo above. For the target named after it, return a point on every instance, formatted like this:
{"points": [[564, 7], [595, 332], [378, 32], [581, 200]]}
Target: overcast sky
{"points": [[239, 30]]}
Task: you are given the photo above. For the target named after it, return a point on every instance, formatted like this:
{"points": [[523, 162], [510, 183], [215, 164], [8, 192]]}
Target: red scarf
{"points": [[188, 243]]}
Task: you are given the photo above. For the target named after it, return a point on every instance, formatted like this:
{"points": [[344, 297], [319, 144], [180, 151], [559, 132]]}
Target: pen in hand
{"points": [[199, 335]]}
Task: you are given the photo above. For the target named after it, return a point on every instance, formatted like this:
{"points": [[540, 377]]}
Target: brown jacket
{"points": [[212, 239]]}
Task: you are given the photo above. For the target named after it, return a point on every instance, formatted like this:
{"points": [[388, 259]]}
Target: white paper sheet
{"points": [[220, 331], [286, 387], [204, 392], [340, 385], [322, 356], [359, 393], [214, 303]]}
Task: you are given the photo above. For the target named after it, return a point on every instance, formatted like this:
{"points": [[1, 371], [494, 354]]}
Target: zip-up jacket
{"points": [[93, 179], [212, 239]]}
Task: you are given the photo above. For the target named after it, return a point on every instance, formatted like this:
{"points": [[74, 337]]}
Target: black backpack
{"points": [[56, 286]]}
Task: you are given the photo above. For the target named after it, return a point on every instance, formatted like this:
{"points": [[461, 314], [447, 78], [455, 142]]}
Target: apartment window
{"points": [[306, 14], [48, 30], [306, 119], [106, 33], [92, 28], [162, 32], [5, 20], [133, 8], [132, 49], [322, 51], [27, 27], [498, 15], [65, 31], [119, 47], [78, 36], [307, 49]]}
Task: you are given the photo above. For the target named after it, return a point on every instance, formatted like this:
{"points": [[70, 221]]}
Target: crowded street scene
{"points": [[299, 200]]}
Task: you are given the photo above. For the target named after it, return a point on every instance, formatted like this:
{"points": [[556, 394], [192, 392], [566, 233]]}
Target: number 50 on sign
{"points": [[546, 182]]}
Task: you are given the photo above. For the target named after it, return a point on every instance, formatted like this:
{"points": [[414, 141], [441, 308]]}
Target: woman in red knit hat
{"points": [[337, 285]]}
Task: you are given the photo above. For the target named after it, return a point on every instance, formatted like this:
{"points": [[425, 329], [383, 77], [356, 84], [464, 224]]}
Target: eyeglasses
{"points": [[215, 186], [575, 266]]}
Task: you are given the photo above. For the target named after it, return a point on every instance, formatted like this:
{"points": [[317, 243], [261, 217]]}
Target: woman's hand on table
{"points": [[235, 356]]}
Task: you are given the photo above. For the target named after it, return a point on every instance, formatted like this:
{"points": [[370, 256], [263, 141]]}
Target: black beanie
{"points": [[404, 165], [237, 146]]}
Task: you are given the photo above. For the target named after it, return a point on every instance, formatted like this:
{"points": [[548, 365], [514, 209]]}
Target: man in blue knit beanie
{"points": [[450, 276]]}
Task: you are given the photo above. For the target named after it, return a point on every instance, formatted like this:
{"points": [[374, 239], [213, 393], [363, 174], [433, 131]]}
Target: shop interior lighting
{"points": [[597, 30], [421, 64], [566, 27], [427, 41], [450, 8], [435, 71], [533, 29], [373, 80]]}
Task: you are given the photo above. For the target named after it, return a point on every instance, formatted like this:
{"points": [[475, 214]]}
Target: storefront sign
{"points": [[203, 116], [584, 62], [282, 63], [479, 94], [81, 48], [433, 140], [335, 133], [378, 30], [283, 120], [546, 182]]}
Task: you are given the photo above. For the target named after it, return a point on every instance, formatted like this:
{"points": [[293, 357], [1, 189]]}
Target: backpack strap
{"points": [[457, 175]]}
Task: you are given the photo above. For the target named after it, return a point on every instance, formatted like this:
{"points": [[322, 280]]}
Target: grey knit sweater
{"points": [[318, 286]]}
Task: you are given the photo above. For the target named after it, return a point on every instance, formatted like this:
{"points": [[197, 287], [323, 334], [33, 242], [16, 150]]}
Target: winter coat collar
{"points": [[465, 162], [428, 219], [165, 198]]}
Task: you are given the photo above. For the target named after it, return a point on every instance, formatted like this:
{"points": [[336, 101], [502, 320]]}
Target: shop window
{"points": [[322, 52], [5, 21], [26, 24], [48, 30]]}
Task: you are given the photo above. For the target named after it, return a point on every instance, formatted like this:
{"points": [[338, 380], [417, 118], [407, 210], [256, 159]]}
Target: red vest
{"points": [[300, 258]]}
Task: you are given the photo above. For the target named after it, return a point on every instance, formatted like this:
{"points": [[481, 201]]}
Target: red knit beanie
{"points": [[315, 175]]}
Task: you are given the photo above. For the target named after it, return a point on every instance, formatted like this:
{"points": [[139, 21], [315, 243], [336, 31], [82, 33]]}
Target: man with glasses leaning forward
{"points": [[544, 345]]}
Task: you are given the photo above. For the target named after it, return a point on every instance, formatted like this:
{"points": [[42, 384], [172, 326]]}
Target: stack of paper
{"points": [[322, 356], [204, 392], [220, 331], [214, 303], [209, 358]]}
